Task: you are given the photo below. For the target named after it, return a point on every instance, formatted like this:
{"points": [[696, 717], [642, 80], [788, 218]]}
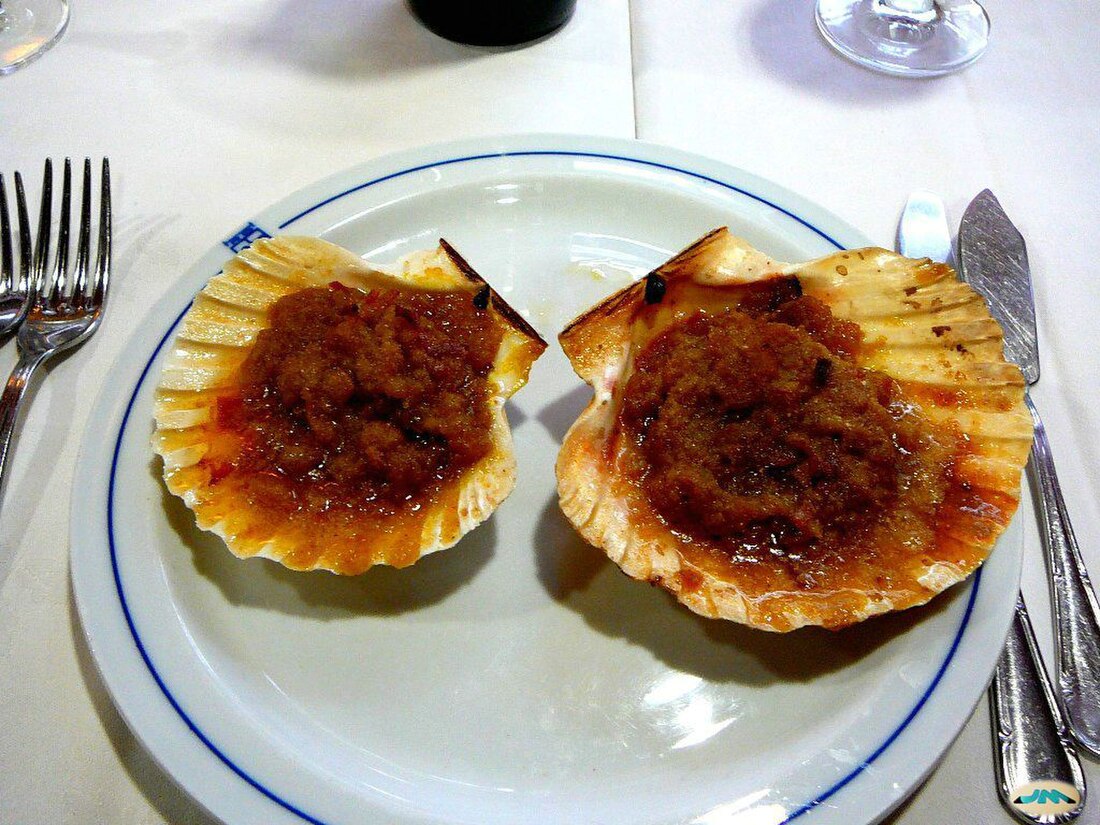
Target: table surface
{"points": [[212, 109]]}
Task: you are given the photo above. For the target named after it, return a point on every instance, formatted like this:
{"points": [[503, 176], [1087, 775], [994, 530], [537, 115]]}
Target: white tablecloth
{"points": [[212, 109]]}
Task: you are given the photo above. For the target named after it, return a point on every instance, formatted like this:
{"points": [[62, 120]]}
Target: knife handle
{"points": [[1076, 612], [1031, 748]]}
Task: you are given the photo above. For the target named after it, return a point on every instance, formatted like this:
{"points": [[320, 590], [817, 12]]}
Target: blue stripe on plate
{"points": [[909, 716], [798, 812], [561, 153], [126, 608]]}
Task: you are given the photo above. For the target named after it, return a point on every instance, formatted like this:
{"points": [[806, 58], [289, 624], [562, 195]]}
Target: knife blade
{"points": [[993, 259], [1031, 746]]}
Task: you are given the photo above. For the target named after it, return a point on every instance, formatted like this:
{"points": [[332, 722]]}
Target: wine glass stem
{"points": [[905, 11]]}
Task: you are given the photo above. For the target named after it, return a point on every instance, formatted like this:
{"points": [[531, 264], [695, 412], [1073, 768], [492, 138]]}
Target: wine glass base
{"points": [[27, 30], [865, 31]]}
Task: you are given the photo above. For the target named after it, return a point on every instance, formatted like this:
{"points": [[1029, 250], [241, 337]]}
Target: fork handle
{"points": [[10, 403], [1076, 613]]}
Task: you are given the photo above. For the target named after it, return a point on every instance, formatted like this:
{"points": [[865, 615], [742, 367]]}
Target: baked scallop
{"points": [[785, 445], [333, 414]]}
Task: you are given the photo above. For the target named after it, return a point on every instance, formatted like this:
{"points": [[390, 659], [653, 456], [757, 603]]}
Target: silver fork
{"points": [[66, 308], [15, 292]]}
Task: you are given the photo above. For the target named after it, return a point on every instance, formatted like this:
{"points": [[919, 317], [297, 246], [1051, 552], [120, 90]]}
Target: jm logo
{"points": [[1044, 796]]}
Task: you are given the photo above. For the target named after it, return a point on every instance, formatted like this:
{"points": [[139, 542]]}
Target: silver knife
{"points": [[1032, 752], [994, 262]]}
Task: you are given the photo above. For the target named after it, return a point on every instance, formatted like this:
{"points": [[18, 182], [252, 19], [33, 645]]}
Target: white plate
{"points": [[519, 677]]}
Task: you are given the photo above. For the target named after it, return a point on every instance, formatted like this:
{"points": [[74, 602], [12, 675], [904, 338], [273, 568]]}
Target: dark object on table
{"points": [[493, 22]]}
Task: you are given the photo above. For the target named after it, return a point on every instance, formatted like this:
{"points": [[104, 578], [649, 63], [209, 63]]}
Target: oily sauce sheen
{"points": [[361, 402], [761, 439]]}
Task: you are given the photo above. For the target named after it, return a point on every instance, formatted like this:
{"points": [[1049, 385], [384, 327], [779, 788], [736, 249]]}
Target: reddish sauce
{"points": [[759, 437], [360, 402]]}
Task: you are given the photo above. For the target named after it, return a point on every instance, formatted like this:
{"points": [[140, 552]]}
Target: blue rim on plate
{"points": [[794, 813]]}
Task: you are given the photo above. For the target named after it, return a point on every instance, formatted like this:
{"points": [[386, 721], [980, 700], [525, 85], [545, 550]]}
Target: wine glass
{"points": [[28, 28], [917, 38]]}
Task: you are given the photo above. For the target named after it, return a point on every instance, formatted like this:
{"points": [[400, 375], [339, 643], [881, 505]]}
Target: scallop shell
{"points": [[214, 339], [921, 326]]}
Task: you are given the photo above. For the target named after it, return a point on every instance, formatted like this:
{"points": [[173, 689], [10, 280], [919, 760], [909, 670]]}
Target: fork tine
{"points": [[61, 261], [42, 243], [80, 279], [7, 265], [103, 254], [24, 236]]}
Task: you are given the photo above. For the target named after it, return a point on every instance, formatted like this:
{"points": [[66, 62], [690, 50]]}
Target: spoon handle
{"points": [[1032, 752]]}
